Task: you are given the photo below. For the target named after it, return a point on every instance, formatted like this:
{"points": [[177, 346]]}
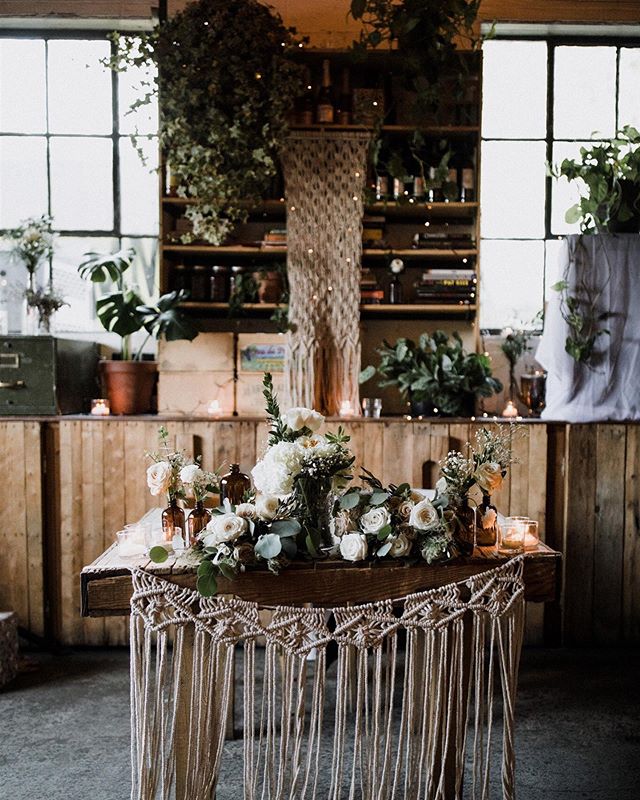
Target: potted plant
{"points": [[130, 380], [437, 375], [610, 172]]}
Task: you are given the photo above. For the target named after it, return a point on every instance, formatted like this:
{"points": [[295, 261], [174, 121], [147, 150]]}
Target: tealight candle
{"points": [[346, 409], [129, 544], [510, 410], [100, 407], [511, 537], [213, 409]]}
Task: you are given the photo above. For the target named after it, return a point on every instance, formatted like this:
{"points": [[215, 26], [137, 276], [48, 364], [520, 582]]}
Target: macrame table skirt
{"points": [[405, 712]]}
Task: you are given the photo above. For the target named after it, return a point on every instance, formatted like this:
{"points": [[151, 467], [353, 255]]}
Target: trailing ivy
{"points": [[226, 83]]}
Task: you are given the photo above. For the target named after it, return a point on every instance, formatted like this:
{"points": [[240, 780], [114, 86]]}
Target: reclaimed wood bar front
{"points": [[71, 482]]}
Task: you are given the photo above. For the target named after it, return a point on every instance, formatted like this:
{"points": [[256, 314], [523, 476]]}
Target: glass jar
{"points": [[200, 282], [236, 274], [172, 520], [181, 278], [218, 284], [234, 485], [197, 521]]}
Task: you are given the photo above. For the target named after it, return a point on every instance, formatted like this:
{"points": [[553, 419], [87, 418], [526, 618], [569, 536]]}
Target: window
{"points": [[65, 150], [541, 101]]}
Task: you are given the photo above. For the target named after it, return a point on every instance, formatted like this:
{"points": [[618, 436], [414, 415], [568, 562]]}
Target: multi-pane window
{"points": [[65, 150], [542, 100]]}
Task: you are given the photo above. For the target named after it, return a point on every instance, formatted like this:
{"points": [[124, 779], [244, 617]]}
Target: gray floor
{"points": [[64, 727]]}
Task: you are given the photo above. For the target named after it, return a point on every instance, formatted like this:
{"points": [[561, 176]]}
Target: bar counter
{"points": [[70, 482]]}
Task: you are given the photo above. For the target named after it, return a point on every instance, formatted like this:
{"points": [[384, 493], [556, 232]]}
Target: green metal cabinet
{"points": [[46, 375]]}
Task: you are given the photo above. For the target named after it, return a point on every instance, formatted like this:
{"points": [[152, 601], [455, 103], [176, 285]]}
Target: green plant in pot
{"points": [[130, 380], [610, 172], [436, 375]]}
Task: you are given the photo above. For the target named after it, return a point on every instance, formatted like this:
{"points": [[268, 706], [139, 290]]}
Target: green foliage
{"points": [[165, 318], [206, 582], [436, 371], [32, 241], [278, 432], [158, 554], [610, 172], [98, 267], [227, 84], [245, 290]]}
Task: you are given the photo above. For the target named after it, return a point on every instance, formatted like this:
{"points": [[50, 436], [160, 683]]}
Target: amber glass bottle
{"points": [[233, 485], [487, 523], [172, 518], [197, 521]]}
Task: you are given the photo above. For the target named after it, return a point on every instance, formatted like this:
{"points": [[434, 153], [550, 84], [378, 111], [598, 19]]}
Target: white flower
{"points": [[246, 511], [298, 418], [224, 528], [353, 547], [404, 510], [159, 477], [489, 519], [423, 516], [488, 476], [267, 506], [277, 470], [191, 473], [375, 519], [401, 546], [441, 486], [340, 524]]}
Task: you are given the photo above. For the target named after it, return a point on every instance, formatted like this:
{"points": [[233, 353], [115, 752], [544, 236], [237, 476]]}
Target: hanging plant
{"points": [[226, 84]]}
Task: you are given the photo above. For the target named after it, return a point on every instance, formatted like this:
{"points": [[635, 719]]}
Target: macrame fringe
{"points": [[397, 728]]}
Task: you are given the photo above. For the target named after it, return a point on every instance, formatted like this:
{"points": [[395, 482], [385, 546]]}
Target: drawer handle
{"points": [[13, 385]]}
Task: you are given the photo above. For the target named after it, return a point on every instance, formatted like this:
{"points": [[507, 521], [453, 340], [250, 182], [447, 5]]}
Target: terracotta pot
{"points": [[269, 286], [129, 385]]}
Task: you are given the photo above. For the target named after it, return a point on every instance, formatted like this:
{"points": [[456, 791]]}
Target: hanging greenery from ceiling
{"points": [[226, 83]]}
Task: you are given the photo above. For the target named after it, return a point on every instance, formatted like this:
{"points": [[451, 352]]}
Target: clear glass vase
{"points": [[29, 325]]}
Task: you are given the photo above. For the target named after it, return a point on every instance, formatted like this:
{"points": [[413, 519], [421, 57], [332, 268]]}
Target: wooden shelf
{"points": [[440, 253], [204, 305], [421, 209], [370, 309], [434, 130], [223, 250], [271, 206]]}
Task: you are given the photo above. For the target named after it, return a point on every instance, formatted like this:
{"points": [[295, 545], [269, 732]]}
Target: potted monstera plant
{"points": [[130, 379], [436, 375]]}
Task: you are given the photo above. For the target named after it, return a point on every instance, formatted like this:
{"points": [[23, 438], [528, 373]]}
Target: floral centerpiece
{"points": [[304, 505]]}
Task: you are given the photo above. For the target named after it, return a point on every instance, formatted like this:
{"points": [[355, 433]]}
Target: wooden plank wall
{"points": [[579, 481]]}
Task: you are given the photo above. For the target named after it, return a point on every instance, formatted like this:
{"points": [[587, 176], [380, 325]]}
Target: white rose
{"points": [[280, 465], [190, 474], [404, 510], [375, 519], [224, 528], [401, 546], [488, 476], [246, 511], [267, 506], [423, 516], [298, 418], [353, 546], [441, 486], [159, 477], [340, 524]]}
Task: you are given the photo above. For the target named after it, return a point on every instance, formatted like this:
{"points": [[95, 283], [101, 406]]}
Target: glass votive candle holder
{"points": [[129, 544], [100, 407], [372, 407], [531, 534], [511, 536], [153, 536]]}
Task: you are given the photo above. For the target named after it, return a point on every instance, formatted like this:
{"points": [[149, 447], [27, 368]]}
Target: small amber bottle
{"points": [[234, 485], [172, 518], [197, 521]]}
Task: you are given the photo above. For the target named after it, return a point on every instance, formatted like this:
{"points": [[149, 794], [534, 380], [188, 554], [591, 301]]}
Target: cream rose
{"points": [[246, 511], [488, 476], [159, 477], [374, 520], [404, 510], [190, 474], [423, 516], [401, 546], [353, 547], [267, 506], [224, 528], [298, 418]]}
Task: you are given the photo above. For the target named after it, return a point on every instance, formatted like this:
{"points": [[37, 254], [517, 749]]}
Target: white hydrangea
{"points": [[275, 473]]}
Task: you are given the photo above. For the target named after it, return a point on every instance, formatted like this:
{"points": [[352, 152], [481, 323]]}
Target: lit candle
{"points": [[100, 407], [510, 410], [511, 536], [346, 409], [213, 409]]}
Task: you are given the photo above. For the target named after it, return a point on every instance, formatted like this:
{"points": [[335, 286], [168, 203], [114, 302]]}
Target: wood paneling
{"points": [[579, 481]]}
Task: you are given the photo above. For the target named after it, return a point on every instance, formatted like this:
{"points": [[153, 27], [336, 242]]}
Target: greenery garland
{"points": [[227, 84]]}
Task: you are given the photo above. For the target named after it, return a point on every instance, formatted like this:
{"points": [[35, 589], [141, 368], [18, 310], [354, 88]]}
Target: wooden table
{"points": [[106, 583]]}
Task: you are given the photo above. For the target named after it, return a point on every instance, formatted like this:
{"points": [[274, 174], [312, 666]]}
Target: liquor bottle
{"points": [[304, 104], [234, 485], [324, 103], [434, 192], [467, 178], [451, 189], [395, 285], [345, 102]]}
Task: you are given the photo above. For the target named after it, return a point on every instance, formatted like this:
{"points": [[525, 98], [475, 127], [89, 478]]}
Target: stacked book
{"points": [[276, 237], [447, 286]]}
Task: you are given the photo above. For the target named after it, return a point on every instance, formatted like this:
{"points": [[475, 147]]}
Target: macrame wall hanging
{"points": [[325, 175], [405, 712]]}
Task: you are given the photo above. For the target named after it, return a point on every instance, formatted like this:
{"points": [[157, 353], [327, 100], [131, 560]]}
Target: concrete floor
{"points": [[64, 727]]}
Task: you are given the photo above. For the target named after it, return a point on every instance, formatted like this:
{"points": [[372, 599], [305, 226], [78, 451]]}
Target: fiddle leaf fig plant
{"points": [[610, 172], [122, 311], [436, 370]]}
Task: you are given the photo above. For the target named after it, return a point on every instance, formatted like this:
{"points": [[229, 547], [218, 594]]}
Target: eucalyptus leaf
{"points": [[378, 498], [286, 527], [269, 545], [207, 585], [384, 532], [349, 500], [289, 547], [384, 550], [158, 554]]}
